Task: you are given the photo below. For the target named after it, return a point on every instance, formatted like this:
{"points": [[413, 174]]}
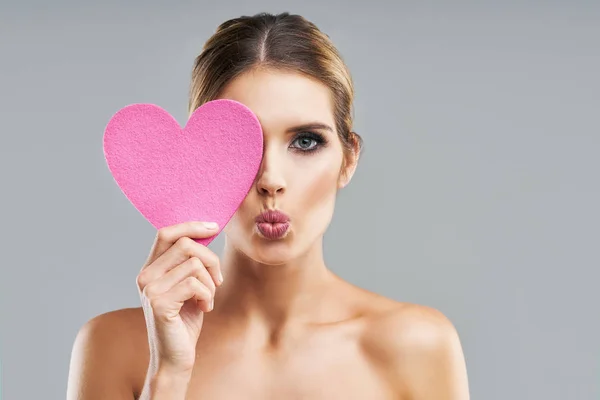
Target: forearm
{"points": [[163, 385]]}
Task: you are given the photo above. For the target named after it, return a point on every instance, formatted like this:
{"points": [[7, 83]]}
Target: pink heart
{"points": [[171, 175]]}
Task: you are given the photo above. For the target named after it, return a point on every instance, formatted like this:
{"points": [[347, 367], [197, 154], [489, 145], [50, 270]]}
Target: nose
{"points": [[270, 179]]}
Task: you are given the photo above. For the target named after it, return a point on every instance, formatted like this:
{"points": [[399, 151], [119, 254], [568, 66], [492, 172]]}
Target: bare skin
{"points": [[283, 325]]}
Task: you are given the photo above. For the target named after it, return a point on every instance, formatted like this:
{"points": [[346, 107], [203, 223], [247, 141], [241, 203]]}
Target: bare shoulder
{"points": [[399, 326], [419, 349], [119, 330], [109, 355], [125, 318]]}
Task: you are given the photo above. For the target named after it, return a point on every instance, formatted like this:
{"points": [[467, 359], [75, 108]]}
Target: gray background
{"points": [[477, 193]]}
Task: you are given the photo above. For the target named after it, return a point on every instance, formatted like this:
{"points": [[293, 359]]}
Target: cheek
{"points": [[319, 184], [243, 218]]}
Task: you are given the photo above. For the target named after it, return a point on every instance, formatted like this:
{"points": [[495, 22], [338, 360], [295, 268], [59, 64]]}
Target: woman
{"points": [[280, 325]]}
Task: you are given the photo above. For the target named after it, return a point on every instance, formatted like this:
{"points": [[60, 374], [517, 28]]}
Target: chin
{"points": [[271, 259], [258, 248], [271, 251]]}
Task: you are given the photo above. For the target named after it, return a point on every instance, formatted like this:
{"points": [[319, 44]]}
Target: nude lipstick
{"points": [[273, 224]]}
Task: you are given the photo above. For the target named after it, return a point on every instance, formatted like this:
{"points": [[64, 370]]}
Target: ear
{"points": [[350, 161]]}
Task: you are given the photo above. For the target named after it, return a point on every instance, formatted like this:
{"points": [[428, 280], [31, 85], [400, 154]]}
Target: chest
{"points": [[332, 371]]}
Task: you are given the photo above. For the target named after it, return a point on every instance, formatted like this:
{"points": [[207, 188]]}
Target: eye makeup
{"points": [[315, 141]]}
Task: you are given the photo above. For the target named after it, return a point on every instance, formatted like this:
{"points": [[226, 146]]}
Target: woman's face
{"points": [[301, 166]]}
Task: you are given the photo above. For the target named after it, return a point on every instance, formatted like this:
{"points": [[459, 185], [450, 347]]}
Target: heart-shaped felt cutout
{"points": [[171, 175]]}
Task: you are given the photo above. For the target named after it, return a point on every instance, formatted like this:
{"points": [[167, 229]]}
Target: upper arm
{"points": [[100, 367], [422, 354]]}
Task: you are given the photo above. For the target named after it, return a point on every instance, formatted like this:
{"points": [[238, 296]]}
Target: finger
{"points": [[192, 267], [169, 304], [178, 253], [167, 236]]}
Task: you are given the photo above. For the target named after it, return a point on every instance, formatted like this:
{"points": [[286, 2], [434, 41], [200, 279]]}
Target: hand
{"points": [[177, 286]]}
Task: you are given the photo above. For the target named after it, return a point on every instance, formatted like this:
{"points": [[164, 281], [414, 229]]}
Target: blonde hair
{"points": [[285, 42]]}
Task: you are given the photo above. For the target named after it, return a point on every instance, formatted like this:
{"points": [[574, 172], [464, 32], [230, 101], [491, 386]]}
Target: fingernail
{"points": [[220, 277], [212, 304], [211, 225]]}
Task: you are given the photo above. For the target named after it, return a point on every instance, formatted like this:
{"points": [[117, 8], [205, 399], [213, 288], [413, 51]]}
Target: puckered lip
{"points": [[272, 217]]}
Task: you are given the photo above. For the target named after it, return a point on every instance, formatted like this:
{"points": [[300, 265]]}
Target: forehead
{"points": [[281, 98]]}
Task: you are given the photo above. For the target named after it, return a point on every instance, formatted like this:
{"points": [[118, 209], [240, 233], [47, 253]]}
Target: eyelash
{"points": [[317, 137]]}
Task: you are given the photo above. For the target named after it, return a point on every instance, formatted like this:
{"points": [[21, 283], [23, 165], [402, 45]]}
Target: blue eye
{"points": [[304, 142], [308, 142]]}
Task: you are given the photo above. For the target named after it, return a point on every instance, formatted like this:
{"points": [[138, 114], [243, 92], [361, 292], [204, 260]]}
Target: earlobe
{"points": [[350, 162], [346, 175], [342, 181], [347, 171]]}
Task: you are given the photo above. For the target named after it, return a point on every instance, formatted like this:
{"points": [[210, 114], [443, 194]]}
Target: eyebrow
{"points": [[310, 126]]}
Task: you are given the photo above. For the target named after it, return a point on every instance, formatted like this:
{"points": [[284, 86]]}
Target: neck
{"points": [[273, 296]]}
